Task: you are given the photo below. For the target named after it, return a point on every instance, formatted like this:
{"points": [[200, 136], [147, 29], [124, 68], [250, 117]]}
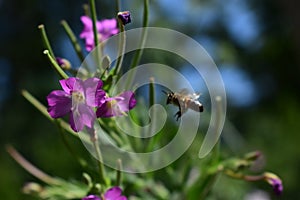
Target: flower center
{"points": [[78, 97], [111, 104]]}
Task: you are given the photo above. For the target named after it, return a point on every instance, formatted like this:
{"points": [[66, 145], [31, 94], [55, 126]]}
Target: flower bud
{"points": [[274, 181], [63, 63], [32, 188], [124, 17]]}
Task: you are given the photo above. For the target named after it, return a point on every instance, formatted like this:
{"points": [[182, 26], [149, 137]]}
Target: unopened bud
{"points": [[124, 17]]}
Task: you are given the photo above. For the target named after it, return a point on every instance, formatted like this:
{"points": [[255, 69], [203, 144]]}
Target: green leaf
{"points": [[66, 190]]}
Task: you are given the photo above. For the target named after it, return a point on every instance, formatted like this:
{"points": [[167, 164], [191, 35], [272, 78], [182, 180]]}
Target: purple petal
{"points": [[89, 43], [91, 197], [121, 198], [81, 116], [104, 110], [59, 103], [79, 86], [128, 101], [107, 28], [87, 32], [107, 25], [93, 92], [100, 97], [87, 23], [75, 122], [113, 193], [116, 106], [68, 84]]}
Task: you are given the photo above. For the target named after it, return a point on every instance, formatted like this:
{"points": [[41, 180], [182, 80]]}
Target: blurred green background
{"points": [[255, 44]]}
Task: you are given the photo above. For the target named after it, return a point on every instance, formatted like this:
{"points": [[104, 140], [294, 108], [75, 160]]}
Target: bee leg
{"points": [[177, 115]]}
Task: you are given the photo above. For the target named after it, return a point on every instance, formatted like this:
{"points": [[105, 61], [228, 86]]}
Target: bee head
{"points": [[169, 96]]}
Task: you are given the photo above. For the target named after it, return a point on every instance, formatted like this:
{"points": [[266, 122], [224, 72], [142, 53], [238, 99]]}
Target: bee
{"points": [[184, 101]]}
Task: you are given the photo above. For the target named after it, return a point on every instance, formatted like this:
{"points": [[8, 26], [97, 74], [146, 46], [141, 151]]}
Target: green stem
{"points": [[235, 175], [139, 52], [119, 173], [45, 39], [122, 44], [118, 6], [208, 184], [151, 92], [94, 19], [216, 149], [153, 120], [95, 31], [57, 68], [31, 168], [73, 39], [94, 139]]}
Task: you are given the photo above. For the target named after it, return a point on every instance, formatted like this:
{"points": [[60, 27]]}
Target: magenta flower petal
{"points": [[114, 193], [68, 84], [104, 110], [78, 98], [75, 122], [82, 116], [91, 197], [128, 101], [87, 115], [89, 43], [87, 25], [106, 28], [59, 103], [93, 91], [117, 106], [121, 198]]}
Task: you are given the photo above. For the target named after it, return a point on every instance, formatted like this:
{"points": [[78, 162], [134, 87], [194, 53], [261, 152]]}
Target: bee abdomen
{"points": [[195, 105]]}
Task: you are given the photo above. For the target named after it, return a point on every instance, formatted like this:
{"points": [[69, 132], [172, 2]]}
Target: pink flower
{"points": [[91, 197], [114, 193], [78, 98], [106, 28], [116, 106]]}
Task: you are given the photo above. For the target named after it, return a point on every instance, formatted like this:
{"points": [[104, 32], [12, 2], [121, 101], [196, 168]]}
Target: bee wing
{"points": [[194, 96], [184, 92]]}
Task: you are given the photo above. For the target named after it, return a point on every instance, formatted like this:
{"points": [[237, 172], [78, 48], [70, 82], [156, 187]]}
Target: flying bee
{"points": [[184, 101]]}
